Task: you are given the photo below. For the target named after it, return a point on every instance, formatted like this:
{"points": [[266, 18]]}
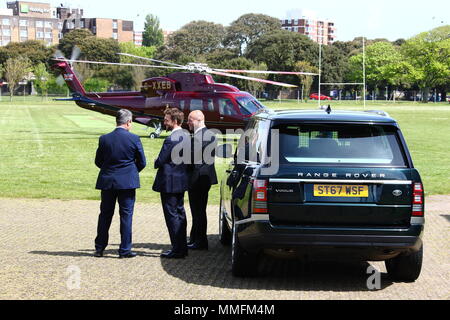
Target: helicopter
{"points": [[191, 88]]}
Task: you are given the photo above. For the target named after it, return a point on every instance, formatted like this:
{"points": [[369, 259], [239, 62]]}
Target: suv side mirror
{"points": [[224, 151]]}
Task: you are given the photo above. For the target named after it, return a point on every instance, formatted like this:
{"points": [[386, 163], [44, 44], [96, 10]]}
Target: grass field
{"points": [[48, 148]]}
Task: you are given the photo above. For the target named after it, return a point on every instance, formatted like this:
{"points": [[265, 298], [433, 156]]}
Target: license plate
{"points": [[327, 190]]}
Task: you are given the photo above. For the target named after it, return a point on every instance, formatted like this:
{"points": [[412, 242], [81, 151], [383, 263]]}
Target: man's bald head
{"points": [[197, 115], [196, 120]]}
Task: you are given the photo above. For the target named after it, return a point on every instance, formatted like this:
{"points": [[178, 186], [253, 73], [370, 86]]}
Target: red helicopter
{"points": [[225, 106]]}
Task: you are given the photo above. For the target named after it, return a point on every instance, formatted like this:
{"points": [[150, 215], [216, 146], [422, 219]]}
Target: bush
{"points": [[96, 85]]}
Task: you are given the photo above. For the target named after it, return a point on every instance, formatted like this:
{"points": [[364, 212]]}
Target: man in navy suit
{"points": [[120, 157], [172, 182]]}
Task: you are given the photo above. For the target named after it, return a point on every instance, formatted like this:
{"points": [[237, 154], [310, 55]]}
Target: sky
{"points": [[390, 19]]}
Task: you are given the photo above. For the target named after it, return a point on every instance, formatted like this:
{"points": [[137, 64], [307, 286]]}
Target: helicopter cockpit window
{"points": [[196, 104], [248, 105], [226, 108]]}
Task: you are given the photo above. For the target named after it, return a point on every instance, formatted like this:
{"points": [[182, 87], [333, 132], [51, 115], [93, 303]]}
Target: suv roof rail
{"points": [[378, 112]]}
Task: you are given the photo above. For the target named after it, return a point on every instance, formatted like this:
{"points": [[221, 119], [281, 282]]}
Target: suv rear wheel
{"points": [[405, 267], [243, 264]]}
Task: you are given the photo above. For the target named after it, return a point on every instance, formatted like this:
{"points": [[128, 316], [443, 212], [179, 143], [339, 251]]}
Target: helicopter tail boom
{"points": [[70, 77]]}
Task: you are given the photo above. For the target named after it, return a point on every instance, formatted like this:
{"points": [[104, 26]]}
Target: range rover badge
{"points": [[397, 193]]}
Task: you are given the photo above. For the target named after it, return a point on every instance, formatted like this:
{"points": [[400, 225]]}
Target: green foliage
{"points": [[42, 76], [305, 80], [96, 85], [248, 28], [131, 48], [36, 51], [73, 38], [429, 55], [16, 69], [382, 64], [56, 88], [281, 50], [197, 37], [153, 35], [98, 49], [242, 63]]}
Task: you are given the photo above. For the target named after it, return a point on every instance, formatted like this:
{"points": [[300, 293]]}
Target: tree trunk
{"points": [[426, 94]]}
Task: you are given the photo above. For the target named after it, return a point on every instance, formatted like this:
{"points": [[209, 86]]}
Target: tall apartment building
{"points": [[306, 22], [120, 30], [24, 21]]}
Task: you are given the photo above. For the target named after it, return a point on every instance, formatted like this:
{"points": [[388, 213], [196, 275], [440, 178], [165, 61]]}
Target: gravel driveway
{"points": [[47, 247]]}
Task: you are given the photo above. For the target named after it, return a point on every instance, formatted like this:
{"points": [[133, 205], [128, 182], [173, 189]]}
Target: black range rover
{"points": [[327, 184]]}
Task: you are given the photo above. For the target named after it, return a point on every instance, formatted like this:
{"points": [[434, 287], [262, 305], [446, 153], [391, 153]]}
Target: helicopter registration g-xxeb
{"points": [[225, 106]]}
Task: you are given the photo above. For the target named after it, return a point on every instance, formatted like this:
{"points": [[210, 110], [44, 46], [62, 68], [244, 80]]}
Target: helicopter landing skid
{"points": [[157, 133]]}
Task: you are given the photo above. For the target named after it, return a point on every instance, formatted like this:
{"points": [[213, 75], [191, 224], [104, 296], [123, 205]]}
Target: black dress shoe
{"points": [[173, 255], [98, 254], [128, 255], [196, 246]]}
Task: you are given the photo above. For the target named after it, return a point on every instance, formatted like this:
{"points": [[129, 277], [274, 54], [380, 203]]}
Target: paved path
{"points": [[46, 243]]}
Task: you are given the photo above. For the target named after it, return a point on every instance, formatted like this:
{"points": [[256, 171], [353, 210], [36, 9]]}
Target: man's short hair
{"points": [[123, 116], [175, 115]]}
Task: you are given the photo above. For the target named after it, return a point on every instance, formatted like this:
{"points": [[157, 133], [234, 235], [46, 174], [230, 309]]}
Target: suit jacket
{"points": [[199, 167], [120, 157], [171, 177]]}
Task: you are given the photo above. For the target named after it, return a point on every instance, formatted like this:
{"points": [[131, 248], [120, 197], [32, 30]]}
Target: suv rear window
{"points": [[340, 144]]}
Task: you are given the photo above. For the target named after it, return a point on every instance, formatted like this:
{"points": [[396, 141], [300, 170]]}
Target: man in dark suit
{"points": [[172, 182], [120, 157], [202, 177]]}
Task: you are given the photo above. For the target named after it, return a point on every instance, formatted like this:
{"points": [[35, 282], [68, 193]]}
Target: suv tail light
{"points": [[260, 196], [418, 200]]}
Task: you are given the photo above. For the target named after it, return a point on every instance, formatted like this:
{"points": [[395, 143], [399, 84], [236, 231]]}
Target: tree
{"points": [[248, 28], [281, 50], [42, 76], [98, 49], [242, 63], [73, 38], [34, 50], [16, 69], [136, 74], [429, 55], [382, 64], [197, 37], [305, 80], [131, 48], [153, 35]]}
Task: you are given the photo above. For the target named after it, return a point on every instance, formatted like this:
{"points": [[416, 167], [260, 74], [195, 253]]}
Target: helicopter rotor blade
{"points": [[60, 81], [281, 84], [76, 52], [267, 72], [148, 59], [120, 64], [58, 55]]}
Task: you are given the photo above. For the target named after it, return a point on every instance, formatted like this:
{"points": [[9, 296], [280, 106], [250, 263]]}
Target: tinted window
{"points": [[210, 105], [196, 104], [340, 144], [248, 105], [226, 107]]}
